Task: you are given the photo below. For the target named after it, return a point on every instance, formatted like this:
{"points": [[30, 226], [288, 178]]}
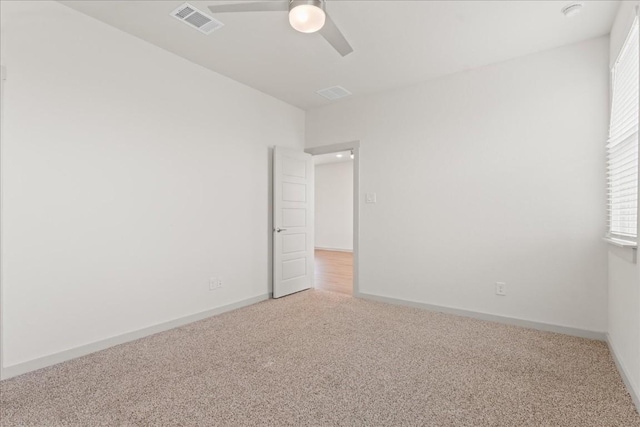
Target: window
{"points": [[622, 147]]}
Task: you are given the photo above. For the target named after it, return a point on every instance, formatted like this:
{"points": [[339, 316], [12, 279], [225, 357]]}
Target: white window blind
{"points": [[622, 147]]}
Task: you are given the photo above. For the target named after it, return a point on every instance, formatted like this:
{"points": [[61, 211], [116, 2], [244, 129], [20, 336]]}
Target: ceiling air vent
{"points": [[196, 19], [333, 93]]}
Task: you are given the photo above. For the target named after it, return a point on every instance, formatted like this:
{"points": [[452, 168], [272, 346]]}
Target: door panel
{"points": [[294, 243], [293, 211]]}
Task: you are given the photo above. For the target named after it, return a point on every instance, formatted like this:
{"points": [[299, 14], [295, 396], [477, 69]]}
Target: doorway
{"points": [[293, 221], [334, 222], [336, 225]]}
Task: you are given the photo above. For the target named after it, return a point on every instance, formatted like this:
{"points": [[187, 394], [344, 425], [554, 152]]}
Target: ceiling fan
{"points": [[306, 16]]}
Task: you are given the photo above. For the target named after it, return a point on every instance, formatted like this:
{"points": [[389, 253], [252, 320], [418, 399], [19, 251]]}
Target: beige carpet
{"points": [[323, 359]]}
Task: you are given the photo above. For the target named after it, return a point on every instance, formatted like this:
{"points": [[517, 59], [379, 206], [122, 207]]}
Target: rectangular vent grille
{"points": [[196, 19], [333, 93]]}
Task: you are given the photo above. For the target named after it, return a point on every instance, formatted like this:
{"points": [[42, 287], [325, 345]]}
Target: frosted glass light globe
{"points": [[307, 18]]}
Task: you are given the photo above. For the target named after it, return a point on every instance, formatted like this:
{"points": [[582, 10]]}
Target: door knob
{"points": [[280, 229]]}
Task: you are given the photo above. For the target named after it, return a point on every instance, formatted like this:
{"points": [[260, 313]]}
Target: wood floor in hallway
{"points": [[334, 271]]}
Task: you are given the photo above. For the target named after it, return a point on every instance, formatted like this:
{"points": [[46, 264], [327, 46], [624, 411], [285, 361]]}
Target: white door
{"points": [[293, 213]]}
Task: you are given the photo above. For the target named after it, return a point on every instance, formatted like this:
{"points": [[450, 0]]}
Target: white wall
{"points": [[495, 174], [130, 176], [624, 274], [334, 206]]}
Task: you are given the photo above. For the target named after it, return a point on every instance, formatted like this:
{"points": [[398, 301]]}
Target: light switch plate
{"points": [[370, 198]]}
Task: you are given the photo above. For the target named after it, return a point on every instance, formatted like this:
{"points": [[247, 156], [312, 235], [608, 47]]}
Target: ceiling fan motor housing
{"points": [[316, 3]]}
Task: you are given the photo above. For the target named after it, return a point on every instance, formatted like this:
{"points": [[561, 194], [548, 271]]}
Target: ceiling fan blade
{"points": [[332, 34], [262, 6]]}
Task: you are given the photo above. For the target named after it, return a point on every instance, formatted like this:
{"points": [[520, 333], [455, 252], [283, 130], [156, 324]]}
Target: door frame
{"points": [[355, 147], [3, 78]]}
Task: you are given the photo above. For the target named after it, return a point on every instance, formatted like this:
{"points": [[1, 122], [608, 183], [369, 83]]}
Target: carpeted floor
{"points": [[323, 359]]}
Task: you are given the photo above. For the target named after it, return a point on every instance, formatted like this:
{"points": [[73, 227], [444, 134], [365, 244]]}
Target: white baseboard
{"points": [[541, 326], [624, 374], [318, 248], [63, 356]]}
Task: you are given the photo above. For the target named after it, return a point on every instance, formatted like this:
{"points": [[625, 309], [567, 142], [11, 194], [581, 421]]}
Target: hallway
{"points": [[334, 271]]}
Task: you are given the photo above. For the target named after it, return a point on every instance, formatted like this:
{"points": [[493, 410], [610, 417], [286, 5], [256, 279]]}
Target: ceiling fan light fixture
{"points": [[307, 16]]}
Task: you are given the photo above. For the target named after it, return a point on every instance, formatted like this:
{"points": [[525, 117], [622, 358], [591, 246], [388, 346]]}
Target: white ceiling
{"points": [[323, 159], [396, 43]]}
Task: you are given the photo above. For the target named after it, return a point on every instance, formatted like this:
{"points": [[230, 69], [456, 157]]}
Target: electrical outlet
{"points": [[219, 283], [213, 283], [370, 198], [501, 288]]}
